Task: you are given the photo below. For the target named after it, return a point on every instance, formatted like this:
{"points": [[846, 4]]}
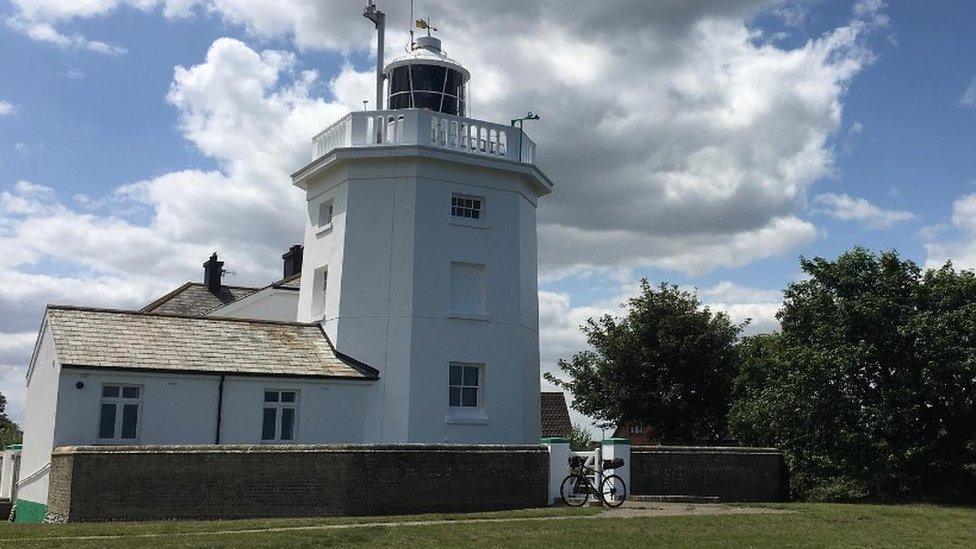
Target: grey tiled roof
{"points": [[293, 282], [102, 338], [555, 416], [195, 299]]}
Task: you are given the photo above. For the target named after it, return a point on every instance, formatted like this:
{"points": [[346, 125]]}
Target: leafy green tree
{"points": [[669, 362], [9, 431], [870, 388], [580, 438]]}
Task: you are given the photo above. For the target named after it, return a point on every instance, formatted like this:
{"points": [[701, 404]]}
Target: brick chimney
{"points": [[213, 270], [293, 260]]}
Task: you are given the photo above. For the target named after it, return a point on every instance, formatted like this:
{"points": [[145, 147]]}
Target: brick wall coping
{"points": [[300, 448], [705, 450]]}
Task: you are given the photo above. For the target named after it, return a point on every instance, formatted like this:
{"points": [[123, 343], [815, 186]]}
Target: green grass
{"points": [[810, 525]]}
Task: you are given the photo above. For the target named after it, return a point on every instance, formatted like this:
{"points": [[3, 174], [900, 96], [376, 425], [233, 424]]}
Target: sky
{"points": [[707, 143]]}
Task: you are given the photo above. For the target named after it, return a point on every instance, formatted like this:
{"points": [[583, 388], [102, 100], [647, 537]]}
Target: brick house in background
{"points": [[555, 415], [637, 433]]}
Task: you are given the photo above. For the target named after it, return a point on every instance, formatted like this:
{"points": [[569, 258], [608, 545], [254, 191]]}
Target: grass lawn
{"points": [[809, 525]]}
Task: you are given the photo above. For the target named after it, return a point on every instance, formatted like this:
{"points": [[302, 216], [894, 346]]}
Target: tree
{"points": [[9, 431], [580, 438], [870, 388], [669, 362]]}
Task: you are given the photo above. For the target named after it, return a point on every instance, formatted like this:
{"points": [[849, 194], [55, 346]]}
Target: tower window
{"points": [[320, 291], [325, 213], [467, 207], [465, 385]]}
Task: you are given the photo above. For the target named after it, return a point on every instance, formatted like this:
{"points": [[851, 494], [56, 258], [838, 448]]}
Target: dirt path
{"points": [[643, 509]]}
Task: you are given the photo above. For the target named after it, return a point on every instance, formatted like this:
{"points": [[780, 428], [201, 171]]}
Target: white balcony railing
{"points": [[424, 127]]}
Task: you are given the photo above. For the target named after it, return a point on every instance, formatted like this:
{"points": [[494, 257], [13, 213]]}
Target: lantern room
{"points": [[426, 78]]}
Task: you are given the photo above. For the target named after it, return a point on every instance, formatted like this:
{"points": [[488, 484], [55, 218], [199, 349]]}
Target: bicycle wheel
{"points": [[613, 491], [575, 490]]}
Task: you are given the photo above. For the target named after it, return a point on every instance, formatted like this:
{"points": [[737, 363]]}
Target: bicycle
{"points": [[577, 487]]}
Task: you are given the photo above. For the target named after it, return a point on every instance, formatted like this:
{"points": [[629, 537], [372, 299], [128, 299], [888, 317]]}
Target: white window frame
{"points": [[473, 415], [325, 226], [120, 402], [481, 222], [278, 406]]}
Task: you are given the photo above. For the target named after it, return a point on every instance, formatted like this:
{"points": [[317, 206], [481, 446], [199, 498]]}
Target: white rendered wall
{"points": [[328, 411], [266, 304], [174, 409], [182, 409], [42, 391], [389, 255]]}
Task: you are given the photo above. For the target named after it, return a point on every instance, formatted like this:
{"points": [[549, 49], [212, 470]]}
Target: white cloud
{"points": [[848, 208], [792, 15], [742, 303], [46, 32], [961, 250], [6, 108], [969, 96]]}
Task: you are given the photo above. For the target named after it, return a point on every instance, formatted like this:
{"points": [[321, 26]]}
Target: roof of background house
{"points": [[194, 298], [292, 282], [555, 415], [131, 340]]}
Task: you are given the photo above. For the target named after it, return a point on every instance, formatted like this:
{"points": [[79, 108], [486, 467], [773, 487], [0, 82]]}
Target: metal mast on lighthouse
{"points": [[379, 20]]}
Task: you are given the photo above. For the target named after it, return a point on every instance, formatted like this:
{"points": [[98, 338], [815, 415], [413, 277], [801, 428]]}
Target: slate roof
{"points": [[194, 298], [104, 338], [555, 415], [293, 282]]}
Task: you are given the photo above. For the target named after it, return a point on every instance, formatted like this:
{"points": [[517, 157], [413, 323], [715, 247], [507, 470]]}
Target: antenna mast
{"points": [[411, 25], [379, 21]]}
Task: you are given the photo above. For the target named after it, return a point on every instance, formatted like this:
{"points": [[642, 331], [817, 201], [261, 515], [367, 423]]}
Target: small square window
{"points": [[465, 207], [465, 385]]}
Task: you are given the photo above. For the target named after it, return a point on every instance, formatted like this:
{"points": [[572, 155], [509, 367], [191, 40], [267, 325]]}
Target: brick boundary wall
{"points": [[730, 473], [102, 483]]}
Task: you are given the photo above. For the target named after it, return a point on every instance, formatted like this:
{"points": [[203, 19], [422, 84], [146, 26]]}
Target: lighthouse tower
{"points": [[421, 258]]}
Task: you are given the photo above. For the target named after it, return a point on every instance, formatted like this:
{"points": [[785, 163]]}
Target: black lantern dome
{"points": [[425, 78]]}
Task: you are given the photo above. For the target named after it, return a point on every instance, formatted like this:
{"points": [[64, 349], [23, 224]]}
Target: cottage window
{"points": [[280, 415], [465, 385], [637, 429], [120, 412]]}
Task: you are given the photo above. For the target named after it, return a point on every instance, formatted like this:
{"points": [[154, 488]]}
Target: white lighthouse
{"points": [[421, 258]]}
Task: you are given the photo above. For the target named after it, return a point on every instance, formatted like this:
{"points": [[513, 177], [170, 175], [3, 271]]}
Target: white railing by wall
{"points": [[424, 127]]}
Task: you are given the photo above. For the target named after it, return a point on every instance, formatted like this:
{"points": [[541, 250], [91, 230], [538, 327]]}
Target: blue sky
{"points": [[767, 130]]}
